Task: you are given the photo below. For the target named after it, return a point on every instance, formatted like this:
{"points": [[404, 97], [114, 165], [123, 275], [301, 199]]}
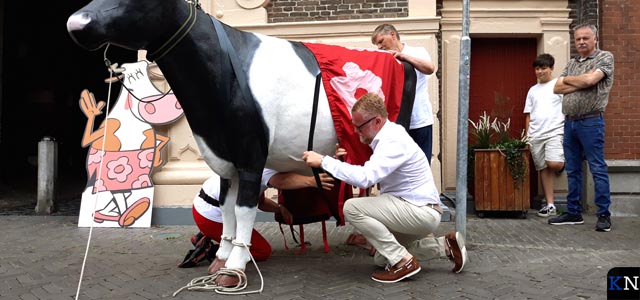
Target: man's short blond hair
{"points": [[370, 104]]}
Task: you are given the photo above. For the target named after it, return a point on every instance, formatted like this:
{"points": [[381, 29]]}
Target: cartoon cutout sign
{"points": [[119, 190]]}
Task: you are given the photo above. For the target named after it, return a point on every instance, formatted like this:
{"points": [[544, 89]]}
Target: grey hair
{"points": [[384, 29], [593, 28]]}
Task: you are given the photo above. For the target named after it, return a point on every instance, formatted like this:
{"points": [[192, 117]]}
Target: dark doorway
{"points": [[43, 75], [501, 75]]}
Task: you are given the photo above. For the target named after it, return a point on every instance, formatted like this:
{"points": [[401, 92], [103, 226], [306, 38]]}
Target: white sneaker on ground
{"points": [[546, 211]]}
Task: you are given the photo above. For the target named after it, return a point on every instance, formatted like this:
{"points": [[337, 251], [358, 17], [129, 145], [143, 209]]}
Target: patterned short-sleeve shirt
{"points": [[593, 98]]}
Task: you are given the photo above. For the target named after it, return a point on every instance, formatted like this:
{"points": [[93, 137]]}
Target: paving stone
{"points": [[41, 258]]}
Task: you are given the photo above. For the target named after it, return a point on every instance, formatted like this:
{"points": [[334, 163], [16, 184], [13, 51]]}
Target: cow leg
{"points": [[245, 212], [228, 194]]}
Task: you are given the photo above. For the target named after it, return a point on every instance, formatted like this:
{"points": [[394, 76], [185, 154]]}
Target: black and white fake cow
{"points": [[248, 97]]}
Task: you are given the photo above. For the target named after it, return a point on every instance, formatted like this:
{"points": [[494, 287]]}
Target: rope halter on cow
{"points": [[182, 31]]}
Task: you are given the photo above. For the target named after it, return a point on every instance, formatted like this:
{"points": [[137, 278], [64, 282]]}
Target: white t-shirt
{"points": [[422, 113], [545, 109], [212, 188]]}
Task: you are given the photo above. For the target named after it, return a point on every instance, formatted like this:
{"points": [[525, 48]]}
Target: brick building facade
{"points": [[618, 35], [326, 10], [611, 16]]}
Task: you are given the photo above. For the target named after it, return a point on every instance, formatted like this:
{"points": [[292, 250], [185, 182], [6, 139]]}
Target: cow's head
{"points": [[131, 24], [160, 109]]}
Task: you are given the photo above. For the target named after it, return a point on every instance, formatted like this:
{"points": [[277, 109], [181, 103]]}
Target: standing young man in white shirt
{"points": [[386, 37], [408, 209], [544, 121]]}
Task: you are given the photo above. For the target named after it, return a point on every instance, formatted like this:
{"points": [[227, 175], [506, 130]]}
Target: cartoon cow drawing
{"points": [[124, 150]]}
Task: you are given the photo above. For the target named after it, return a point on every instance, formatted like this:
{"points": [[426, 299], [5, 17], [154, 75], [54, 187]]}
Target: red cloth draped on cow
{"points": [[347, 74]]}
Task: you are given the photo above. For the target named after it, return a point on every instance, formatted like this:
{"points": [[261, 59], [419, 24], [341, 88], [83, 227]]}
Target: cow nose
{"points": [[77, 21]]}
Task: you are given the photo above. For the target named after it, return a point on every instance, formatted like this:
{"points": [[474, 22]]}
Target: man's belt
{"points": [[208, 199], [583, 116], [436, 207]]}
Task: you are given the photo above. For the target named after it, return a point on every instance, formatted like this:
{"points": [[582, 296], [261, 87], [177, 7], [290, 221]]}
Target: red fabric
{"points": [[260, 248], [310, 205], [374, 71]]}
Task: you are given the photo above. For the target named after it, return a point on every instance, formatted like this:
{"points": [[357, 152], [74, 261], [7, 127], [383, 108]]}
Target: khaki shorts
{"points": [[544, 150]]}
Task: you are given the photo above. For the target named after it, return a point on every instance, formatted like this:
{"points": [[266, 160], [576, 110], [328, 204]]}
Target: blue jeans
{"points": [[584, 139], [423, 136]]}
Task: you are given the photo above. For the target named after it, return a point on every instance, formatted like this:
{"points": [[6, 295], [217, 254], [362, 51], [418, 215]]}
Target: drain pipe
{"points": [[47, 175]]}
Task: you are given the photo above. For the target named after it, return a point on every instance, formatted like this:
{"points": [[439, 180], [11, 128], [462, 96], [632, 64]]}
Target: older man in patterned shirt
{"points": [[585, 83]]}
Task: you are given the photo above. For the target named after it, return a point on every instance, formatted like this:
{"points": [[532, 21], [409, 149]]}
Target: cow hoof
{"points": [[230, 281], [216, 265]]}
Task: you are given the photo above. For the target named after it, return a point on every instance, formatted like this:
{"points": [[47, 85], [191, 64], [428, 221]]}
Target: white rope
{"points": [[95, 203], [208, 283]]}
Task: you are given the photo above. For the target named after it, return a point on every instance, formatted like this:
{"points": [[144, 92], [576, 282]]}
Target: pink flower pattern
{"points": [[98, 186], [119, 169], [146, 158], [142, 182], [94, 156]]}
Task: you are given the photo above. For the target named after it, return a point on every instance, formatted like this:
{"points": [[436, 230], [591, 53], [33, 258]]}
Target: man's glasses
{"points": [[359, 127]]}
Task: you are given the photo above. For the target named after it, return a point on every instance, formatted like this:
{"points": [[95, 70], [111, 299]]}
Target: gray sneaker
{"points": [[547, 211], [604, 223], [566, 219]]}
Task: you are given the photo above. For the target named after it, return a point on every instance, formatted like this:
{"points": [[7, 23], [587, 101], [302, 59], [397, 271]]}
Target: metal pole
{"points": [[463, 127], [47, 173]]}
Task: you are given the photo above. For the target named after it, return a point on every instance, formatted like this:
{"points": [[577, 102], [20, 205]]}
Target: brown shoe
{"points": [[393, 274], [457, 252]]}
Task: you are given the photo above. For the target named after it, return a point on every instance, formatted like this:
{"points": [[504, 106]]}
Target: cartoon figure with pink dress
{"points": [[124, 150]]}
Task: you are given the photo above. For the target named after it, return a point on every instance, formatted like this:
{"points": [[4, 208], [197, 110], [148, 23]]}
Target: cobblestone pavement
{"points": [[41, 258]]}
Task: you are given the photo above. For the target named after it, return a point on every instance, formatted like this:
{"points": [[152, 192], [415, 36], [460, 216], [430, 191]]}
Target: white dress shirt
{"points": [[397, 163]]}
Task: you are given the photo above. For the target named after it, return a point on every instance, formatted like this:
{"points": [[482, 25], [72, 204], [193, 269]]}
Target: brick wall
{"points": [[324, 10], [613, 18], [582, 11], [619, 35]]}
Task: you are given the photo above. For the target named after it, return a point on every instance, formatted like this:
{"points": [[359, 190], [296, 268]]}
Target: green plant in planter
{"points": [[512, 150], [482, 133], [485, 129]]}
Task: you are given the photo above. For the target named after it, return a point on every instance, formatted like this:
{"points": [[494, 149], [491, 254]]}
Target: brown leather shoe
{"points": [[394, 274], [457, 252]]}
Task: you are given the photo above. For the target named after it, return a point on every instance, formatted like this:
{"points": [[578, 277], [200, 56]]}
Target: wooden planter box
{"points": [[494, 188]]}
